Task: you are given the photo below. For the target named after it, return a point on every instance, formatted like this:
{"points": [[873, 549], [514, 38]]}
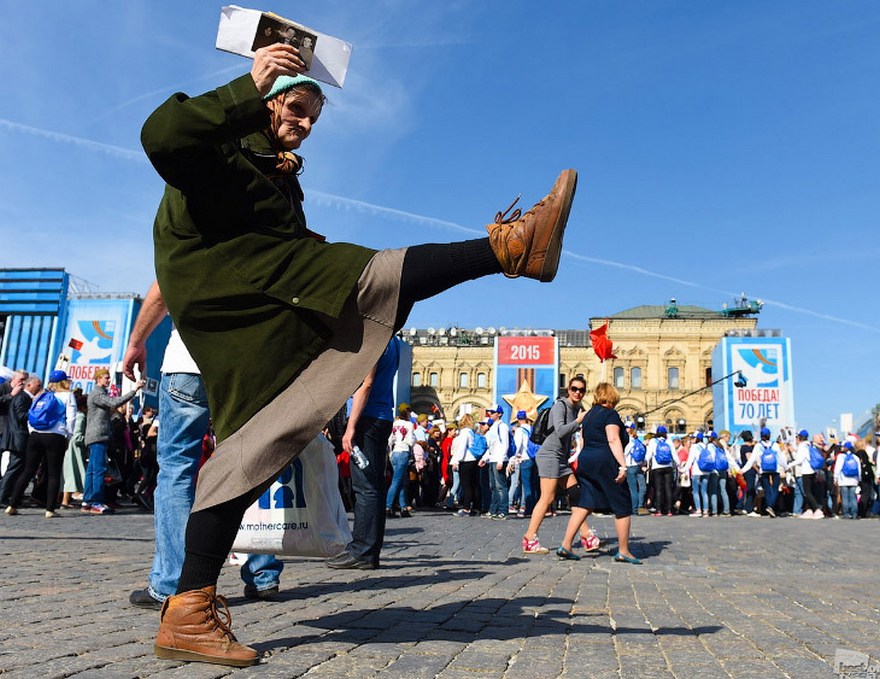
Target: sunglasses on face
{"points": [[579, 390]]}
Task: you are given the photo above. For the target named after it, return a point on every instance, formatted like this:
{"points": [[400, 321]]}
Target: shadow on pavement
{"points": [[464, 622], [391, 580], [644, 549]]}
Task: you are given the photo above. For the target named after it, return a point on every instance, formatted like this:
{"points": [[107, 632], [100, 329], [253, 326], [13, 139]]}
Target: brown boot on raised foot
{"points": [[530, 244], [194, 628]]}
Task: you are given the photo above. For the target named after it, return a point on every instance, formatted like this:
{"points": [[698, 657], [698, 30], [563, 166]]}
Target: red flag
{"points": [[602, 343], [75, 344]]}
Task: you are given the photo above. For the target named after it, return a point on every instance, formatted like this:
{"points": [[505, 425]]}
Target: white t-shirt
{"points": [[177, 358], [498, 438]]}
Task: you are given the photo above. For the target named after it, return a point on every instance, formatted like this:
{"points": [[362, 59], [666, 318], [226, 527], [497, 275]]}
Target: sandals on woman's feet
{"points": [[564, 553], [623, 558]]}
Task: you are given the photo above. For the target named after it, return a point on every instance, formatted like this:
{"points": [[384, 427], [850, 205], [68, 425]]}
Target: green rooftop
{"points": [[683, 311]]}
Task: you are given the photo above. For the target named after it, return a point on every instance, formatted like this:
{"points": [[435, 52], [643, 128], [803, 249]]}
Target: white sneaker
{"points": [[818, 514], [806, 515]]}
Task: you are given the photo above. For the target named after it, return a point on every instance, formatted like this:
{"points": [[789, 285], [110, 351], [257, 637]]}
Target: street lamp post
{"points": [[740, 381]]}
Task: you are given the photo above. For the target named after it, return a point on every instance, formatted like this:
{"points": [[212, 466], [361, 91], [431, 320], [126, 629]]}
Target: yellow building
{"points": [[663, 353]]}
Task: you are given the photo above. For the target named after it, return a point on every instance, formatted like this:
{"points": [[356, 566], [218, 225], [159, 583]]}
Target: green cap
{"points": [[283, 83]]}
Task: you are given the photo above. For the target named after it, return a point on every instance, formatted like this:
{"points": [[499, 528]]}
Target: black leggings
{"points": [[663, 484], [209, 537], [469, 478], [807, 480], [427, 271], [42, 446], [433, 268]]}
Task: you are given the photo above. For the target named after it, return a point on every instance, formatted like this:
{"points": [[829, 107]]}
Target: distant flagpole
{"points": [[604, 364]]}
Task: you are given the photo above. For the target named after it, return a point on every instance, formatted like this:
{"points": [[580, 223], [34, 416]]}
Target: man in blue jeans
{"points": [[525, 462], [182, 423], [369, 426], [495, 459], [97, 439]]}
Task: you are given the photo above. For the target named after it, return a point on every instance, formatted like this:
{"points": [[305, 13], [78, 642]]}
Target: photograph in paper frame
{"points": [[272, 29]]}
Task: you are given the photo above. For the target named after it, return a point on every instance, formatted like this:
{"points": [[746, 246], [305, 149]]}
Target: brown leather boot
{"points": [[194, 628], [530, 244]]}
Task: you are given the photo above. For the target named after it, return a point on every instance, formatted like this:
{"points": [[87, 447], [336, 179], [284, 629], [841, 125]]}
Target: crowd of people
{"points": [[455, 466], [81, 451], [485, 468]]}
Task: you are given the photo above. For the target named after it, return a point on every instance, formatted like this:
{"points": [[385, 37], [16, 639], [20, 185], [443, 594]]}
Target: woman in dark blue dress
{"points": [[601, 472]]}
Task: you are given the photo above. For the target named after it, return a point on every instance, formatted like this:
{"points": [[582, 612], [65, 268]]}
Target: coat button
{"points": [[295, 300]]}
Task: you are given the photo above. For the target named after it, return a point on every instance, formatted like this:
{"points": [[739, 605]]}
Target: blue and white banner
{"points": [[96, 336], [767, 398]]}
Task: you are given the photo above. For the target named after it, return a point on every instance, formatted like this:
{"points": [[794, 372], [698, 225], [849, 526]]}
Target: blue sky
{"points": [[722, 147]]}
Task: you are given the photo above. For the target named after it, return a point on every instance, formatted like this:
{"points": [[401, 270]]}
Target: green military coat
{"points": [[249, 291]]}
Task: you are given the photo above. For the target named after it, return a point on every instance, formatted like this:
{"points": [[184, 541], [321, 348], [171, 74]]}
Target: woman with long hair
{"points": [[465, 463], [553, 468]]}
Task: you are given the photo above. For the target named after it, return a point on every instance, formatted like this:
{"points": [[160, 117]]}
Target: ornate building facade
{"points": [[663, 354]]}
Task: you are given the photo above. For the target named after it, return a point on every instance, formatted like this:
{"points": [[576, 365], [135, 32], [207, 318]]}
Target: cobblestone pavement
{"points": [[456, 599]]}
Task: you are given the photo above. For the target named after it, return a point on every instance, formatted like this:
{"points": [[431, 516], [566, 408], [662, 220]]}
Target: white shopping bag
{"points": [[302, 512]]}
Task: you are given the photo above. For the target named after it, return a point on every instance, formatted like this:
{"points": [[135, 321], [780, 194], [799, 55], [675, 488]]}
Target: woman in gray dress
{"points": [[553, 468]]}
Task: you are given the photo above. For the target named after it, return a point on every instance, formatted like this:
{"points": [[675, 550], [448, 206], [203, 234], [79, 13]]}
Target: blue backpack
{"points": [[850, 466], [768, 460], [706, 461], [511, 444], [532, 448], [663, 452], [721, 462], [817, 459], [639, 450], [479, 446], [45, 412]]}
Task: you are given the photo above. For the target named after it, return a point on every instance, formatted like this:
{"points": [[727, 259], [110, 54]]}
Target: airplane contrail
{"points": [[109, 149], [350, 203]]}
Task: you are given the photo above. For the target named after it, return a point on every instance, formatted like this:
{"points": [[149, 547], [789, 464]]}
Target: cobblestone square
{"points": [[456, 599]]}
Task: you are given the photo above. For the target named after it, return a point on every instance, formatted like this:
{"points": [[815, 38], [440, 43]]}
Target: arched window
{"points": [[462, 379], [635, 378], [672, 375], [433, 379], [618, 378], [481, 380], [417, 379]]}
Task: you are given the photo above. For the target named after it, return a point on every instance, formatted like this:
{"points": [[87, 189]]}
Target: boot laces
{"points": [[502, 218], [222, 616]]}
